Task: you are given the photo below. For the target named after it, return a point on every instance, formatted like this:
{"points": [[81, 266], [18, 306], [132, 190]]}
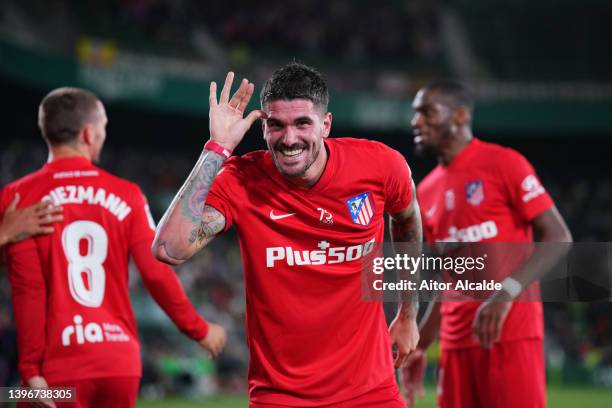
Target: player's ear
{"points": [[327, 121], [86, 136], [462, 116]]}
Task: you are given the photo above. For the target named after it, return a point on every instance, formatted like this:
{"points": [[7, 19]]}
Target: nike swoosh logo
{"points": [[429, 213], [279, 216]]}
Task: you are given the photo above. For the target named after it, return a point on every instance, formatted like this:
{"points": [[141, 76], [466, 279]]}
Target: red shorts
{"points": [[511, 374], [382, 397], [111, 392]]}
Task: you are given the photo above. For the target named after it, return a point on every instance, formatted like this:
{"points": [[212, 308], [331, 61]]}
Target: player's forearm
{"points": [[407, 238], [182, 230], [554, 243], [429, 325]]}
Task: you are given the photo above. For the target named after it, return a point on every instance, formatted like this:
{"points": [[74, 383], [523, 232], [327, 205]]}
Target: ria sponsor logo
{"points": [[473, 233], [326, 254], [92, 332]]}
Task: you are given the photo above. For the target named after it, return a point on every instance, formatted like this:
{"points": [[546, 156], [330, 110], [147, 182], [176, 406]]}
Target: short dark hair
{"points": [[458, 93], [296, 81], [63, 113]]}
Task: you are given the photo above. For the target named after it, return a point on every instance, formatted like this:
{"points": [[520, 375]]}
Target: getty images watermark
{"points": [[411, 265], [475, 271]]}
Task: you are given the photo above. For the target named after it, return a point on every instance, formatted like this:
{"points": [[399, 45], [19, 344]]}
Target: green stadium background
{"points": [[541, 71]]}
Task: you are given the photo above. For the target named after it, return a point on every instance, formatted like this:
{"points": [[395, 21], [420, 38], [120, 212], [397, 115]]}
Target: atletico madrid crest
{"points": [[361, 208], [474, 192]]}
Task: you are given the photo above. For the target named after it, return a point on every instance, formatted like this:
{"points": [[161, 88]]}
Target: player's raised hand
{"points": [[39, 382], [214, 340], [227, 124], [17, 225], [489, 321], [405, 337], [411, 377]]}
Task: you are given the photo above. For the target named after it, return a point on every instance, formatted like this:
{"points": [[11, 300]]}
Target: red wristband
{"points": [[217, 148]]}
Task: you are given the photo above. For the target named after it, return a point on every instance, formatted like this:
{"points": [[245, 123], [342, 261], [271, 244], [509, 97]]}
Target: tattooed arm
{"points": [[189, 224], [407, 237]]}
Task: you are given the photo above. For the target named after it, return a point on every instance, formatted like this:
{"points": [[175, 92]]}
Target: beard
{"points": [[294, 172]]}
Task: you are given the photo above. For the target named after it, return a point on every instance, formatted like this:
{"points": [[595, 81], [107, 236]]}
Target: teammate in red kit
{"points": [[306, 210], [75, 324], [492, 352]]}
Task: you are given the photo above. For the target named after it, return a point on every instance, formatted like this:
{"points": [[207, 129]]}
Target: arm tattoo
{"points": [[195, 192], [211, 223], [407, 237]]}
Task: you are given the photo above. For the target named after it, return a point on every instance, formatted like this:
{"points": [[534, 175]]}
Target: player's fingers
{"points": [[54, 209], [227, 86], [236, 100], [253, 116], [212, 97], [44, 230], [13, 205], [498, 330], [489, 328], [246, 97], [50, 219]]}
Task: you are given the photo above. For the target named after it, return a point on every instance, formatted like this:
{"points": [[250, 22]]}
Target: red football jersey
{"points": [[312, 340], [70, 288], [488, 193]]}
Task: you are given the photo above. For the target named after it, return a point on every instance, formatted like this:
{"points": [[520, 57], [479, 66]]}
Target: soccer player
{"points": [[17, 225], [75, 324], [306, 210], [492, 352]]}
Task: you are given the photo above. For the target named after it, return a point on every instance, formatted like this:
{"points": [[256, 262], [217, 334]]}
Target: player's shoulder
{"points": [[354, 144], [365, 153], [25, 181], [119, 185], [430, 180], [497, 154]]}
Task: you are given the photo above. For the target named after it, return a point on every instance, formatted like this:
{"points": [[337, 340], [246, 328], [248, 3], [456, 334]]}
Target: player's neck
{"points": [[65, 152], [454, 148]]}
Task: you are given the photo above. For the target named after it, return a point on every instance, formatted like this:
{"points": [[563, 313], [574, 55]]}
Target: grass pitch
{"points": [[565, 397]]}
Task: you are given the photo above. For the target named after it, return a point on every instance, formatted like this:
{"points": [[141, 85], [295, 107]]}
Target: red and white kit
{"points": [[488, 193], [70, 288], [312, 340]]}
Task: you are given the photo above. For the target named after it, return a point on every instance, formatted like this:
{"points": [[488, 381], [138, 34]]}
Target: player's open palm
{"points": [[411, 377], [227, 124], [214, 340], [33, 220]]}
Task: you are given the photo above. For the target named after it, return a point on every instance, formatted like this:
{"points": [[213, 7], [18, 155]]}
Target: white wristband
{"points": [[512, 286]]}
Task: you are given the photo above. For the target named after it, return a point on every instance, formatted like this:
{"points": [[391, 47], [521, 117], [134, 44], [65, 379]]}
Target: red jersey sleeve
{"points": [[29, 298], [159, 279], [525, 191], [224, 190], [142, 225], [398, 184]]}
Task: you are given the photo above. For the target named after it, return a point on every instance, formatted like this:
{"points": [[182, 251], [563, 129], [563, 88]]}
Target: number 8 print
{"points": [[89, 264]]}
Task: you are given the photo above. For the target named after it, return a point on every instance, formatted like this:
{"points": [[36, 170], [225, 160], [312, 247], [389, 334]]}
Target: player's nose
{"points": [[290, 137], [416, 120]]}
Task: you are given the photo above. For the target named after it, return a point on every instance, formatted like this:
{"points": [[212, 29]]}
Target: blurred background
{"points": [[541, 71]]}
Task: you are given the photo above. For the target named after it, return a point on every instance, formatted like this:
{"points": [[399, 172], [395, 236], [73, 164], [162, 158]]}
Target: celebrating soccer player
{"points": [[492, 352], [305, 209], [75, 324]]}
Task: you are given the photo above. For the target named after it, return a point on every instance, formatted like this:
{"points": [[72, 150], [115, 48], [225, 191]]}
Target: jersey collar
{"points": [[464, 156], [68, 163]]}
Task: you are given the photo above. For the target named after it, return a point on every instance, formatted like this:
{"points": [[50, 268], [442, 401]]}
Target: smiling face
{"points": [[294, 131]]}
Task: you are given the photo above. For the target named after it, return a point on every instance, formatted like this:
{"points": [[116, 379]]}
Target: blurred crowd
{"points": [[578, 341]]}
